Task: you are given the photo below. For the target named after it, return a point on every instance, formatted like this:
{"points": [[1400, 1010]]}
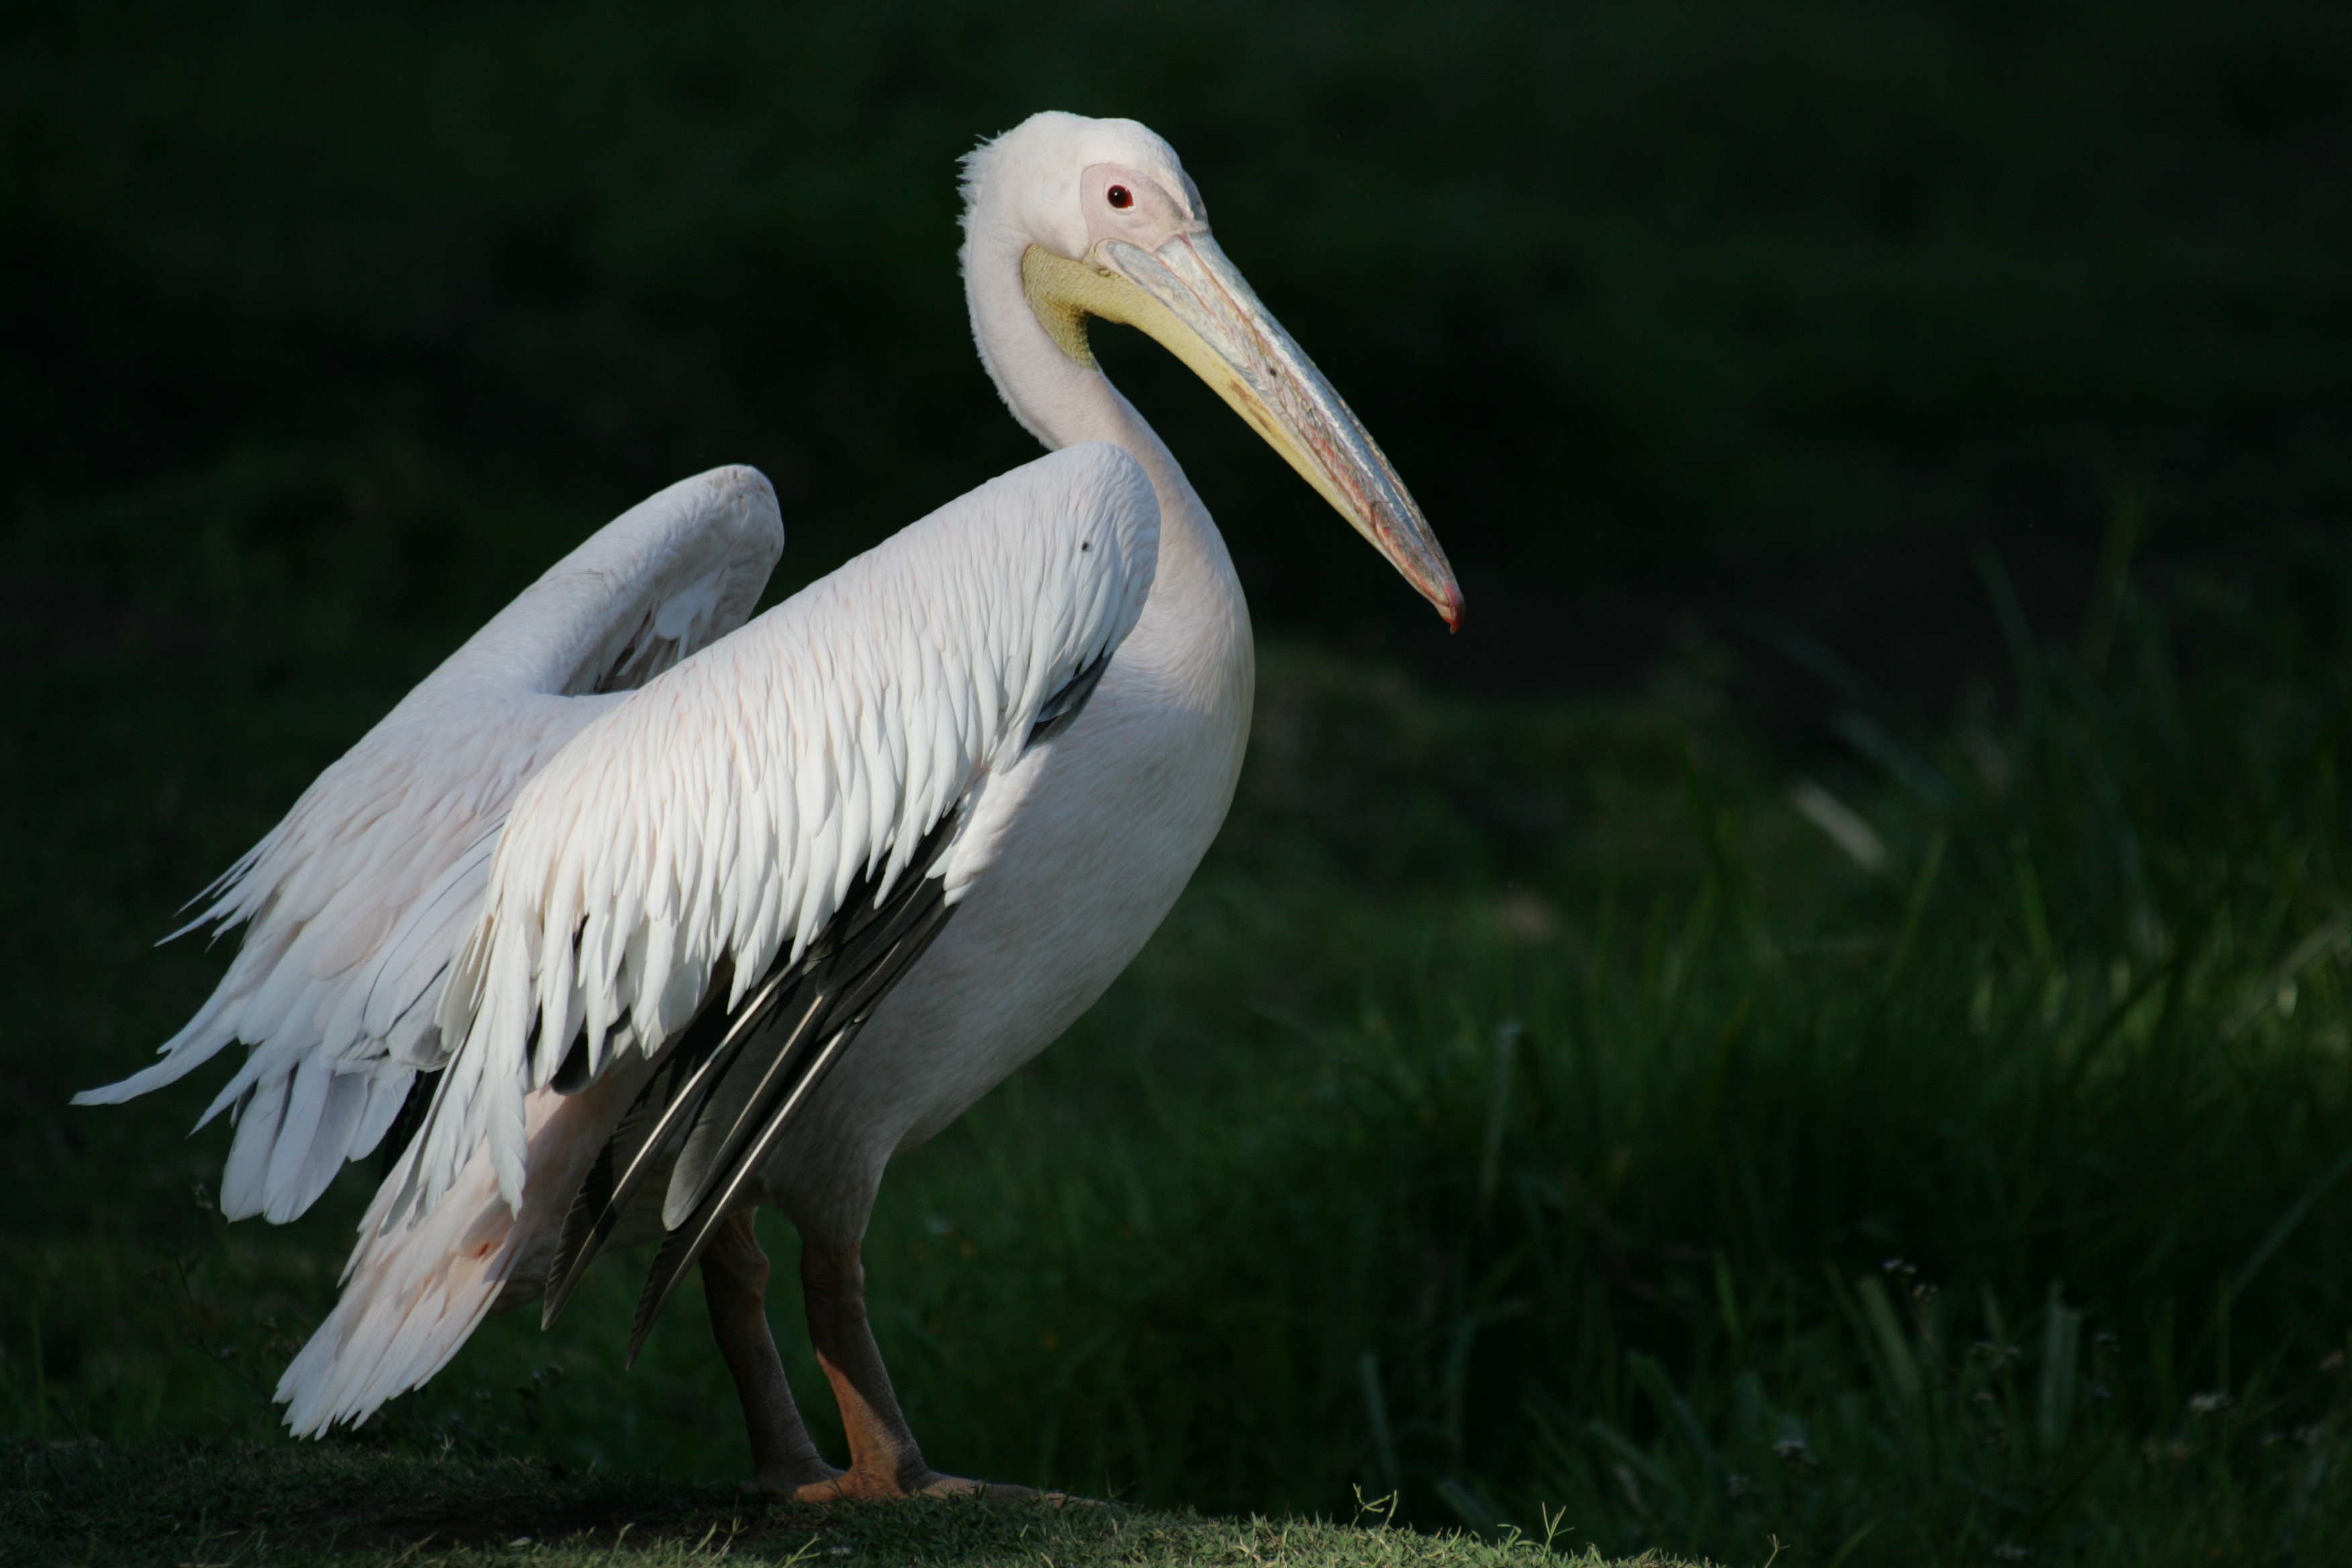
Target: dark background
{"points": [[330, 326]]}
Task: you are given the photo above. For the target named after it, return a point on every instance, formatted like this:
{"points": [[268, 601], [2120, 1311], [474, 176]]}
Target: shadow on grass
{"points": [[220, 1503], [216, 1502]]}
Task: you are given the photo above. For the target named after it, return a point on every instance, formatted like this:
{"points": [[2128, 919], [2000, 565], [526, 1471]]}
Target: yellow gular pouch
{"points": [[1056, 286]]}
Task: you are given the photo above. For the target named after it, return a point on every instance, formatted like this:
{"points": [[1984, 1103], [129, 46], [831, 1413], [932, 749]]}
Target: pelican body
{"points": [[636, 915]]}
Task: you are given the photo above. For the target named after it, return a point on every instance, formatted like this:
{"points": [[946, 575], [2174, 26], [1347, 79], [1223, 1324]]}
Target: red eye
{"points": [[1122, 198]]}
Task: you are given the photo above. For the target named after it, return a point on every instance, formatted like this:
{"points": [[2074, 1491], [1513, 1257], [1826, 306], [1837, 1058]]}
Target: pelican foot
{"points": [[877, 1484]]}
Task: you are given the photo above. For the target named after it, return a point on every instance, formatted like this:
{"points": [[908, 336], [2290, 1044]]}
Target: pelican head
{"points": [[1105, 223]]}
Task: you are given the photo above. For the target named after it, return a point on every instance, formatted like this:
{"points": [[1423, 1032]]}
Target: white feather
{"points": [[614, 840], [350, 903]]}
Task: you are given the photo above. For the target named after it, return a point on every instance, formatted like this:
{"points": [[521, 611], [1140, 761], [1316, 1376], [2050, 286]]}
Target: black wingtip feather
{"points": [[784, 1092], [670, 1264], [406, 1122], [1061, 710], [723, 1094]]}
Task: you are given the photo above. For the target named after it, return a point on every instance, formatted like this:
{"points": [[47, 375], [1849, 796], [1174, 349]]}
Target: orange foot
{"points": [[877, 1484]]}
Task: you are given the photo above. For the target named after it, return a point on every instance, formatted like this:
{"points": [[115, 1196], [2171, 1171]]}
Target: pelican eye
{"points": [[1122, 198]]}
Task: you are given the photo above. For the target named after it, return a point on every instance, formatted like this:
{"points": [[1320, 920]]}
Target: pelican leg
{"points": [[735, 1287], [883, 1459]]}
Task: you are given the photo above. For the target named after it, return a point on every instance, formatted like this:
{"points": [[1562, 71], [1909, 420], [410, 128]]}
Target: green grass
{"points": [[222, 1505], [1529, 1112]]}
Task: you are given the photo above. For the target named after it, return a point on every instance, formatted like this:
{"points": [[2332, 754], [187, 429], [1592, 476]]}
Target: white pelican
{"points": [[639, 916]]}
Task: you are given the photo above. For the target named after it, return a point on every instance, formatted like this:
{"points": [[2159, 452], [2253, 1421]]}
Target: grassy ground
{"points": [[1922, 1153], [225, 1507]]}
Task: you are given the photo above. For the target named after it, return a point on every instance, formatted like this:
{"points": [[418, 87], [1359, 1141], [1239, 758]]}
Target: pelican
{"points": [[637, 913]]}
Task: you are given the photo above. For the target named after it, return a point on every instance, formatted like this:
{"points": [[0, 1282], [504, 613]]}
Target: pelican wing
{"points": [[362, 890], [760, 803], [720, 1098]]}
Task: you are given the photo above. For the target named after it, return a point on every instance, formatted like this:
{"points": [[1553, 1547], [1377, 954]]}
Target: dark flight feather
{"points": [[1061, 710], [785, 1086], [709, 1099]]}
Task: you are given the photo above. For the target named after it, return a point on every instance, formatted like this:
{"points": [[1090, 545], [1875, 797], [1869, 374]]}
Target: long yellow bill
{"points": [[1192, 299]]}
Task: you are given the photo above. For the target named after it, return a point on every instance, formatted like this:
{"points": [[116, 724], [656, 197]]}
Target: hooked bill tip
{"points": [[1447, 598]]}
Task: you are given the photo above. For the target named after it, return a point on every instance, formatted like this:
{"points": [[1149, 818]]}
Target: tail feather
{"points": [[413, 1294], [411, 1298]]}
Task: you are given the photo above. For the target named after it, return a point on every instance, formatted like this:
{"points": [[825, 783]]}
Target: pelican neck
{"points": [[1195, 617]]}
